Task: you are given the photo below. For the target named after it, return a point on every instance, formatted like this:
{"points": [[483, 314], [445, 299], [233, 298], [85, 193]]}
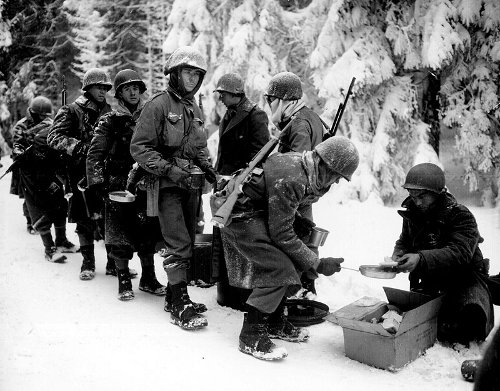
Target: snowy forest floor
{"points": [[60, 333]]}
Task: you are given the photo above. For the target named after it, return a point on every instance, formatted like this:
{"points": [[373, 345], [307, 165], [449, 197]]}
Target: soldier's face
{"points": [[190, 78], [130, 93], [423, 199], [228, 99], [98, 92]]}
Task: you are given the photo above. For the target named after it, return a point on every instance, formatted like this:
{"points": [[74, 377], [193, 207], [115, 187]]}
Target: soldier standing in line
{"points": [[127, 228], [169, 142], [284, 96], [71, 133], [243, 131], [39, 180]]}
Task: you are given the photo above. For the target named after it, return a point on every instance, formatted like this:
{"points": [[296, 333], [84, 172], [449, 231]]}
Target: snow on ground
{"points": [[60, 333]]}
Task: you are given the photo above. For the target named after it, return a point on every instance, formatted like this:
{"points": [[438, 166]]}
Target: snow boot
{"points": [[52, 254], [125, 291], [62, 242], [279, 327], [183, 314], [254, 339], [198, 307], [149, 282], [87, 271], [469, 369], [111, 268]]}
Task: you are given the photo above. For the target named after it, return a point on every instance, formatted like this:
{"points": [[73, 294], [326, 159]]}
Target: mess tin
{"points": [[121, 196], [318, 236], [197, 178], [376, 271]]}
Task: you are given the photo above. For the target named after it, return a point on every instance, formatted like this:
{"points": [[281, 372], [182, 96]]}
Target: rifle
{"points": [[18, 161], [221, 217], [63, 91], [340, 111], [64, 178]]}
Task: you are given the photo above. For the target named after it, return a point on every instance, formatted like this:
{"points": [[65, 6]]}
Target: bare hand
{"points": [[408, 262]]}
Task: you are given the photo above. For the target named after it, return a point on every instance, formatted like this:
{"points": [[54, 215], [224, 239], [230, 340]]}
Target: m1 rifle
{"points": [[340, 111], [235, 185], [64, 178], [18, 161]]}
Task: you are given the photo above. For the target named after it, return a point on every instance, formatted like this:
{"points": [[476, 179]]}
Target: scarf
{"points": [[282, 110]]}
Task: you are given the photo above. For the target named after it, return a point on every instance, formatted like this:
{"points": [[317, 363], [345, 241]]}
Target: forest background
{"points": [[421, 66]]}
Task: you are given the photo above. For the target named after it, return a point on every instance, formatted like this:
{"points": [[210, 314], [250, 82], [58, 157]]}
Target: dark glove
{"points": [[179, 176], [210, 174], [328, 266], [80, 150], [98, 191], [16, 152], [302, 226]]}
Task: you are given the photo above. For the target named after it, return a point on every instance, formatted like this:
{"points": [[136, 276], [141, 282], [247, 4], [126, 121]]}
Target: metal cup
{"points": [[318, 236], [197, 178]]}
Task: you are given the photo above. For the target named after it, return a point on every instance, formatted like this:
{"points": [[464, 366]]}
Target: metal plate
{"points": [[121, 196], [377, 271]]}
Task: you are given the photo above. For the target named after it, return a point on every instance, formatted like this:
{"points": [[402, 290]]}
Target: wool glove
{"points": [[210, 174], [328, 266]]}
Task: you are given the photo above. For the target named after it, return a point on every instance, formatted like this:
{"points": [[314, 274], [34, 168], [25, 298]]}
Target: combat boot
{"points": [[87, 271], [53, 255], [125, 291], [279, 327], [149, 283], [198, 307], [182, 313], [254, 339]]}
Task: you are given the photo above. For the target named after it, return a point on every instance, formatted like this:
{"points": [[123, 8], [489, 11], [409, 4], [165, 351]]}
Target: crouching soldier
{"points": [[439, 247], [262, 248], [127, 228], [41, 185], [71, 134]]}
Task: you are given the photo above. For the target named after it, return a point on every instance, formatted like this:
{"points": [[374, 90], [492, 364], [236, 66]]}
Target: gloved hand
{"points": [[80, 150], [179, 176], [210, 174], [16, 152], [98, 191], [328, 266]]}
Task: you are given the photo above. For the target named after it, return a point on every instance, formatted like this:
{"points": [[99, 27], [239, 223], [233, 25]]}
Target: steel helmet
{"points": [[285, 86], [128, 76], [41, 105], [96, 76], [230, 82], [340, 155], [185, 56], [425, 176]]}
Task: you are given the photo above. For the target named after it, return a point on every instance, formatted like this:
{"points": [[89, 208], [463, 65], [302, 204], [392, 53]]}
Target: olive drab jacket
{"points": [[447, 239], [242, 133], [109, 161], [304, 134], [169, 140], [74, 124]]}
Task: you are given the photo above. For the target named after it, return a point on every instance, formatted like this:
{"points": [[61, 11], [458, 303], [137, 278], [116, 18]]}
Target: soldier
{"points": [[262, 249], [169, 142], [127, 228], [41, 187], [284, 96], [71, 133], [243, 131], [439, 247]]}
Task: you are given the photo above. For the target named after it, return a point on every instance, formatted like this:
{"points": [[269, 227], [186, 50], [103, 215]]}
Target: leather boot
{"points": [[183, 313], [125, 291], [279, 327], [254, 338], [148, 282], [87, 271]]}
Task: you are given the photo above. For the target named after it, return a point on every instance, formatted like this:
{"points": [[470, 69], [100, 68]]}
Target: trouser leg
{"points": [[266, 300]]}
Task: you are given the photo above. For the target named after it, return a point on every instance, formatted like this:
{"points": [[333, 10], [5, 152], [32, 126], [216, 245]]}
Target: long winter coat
{"points": [[261, 246], [304, 134], [74, 124], [39, 174], [447, 238], [108, 164], [242, 133]]}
